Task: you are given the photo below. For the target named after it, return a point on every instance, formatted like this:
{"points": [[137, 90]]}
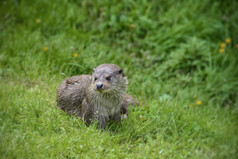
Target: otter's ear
{"points": [[94, 69], [120, 71]]}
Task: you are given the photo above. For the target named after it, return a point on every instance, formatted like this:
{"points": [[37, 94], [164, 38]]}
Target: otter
{"points": [[100, 96]]}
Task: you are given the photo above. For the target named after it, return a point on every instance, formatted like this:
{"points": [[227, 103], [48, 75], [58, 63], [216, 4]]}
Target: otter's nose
{"points": [[99, 86]]}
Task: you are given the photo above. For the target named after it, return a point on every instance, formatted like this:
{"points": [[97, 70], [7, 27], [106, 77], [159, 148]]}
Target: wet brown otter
{"points": [[101, 96]]}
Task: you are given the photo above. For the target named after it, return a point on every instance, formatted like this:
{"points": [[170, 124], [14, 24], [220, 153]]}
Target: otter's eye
{"points": [[108, 78], [95, 78]]}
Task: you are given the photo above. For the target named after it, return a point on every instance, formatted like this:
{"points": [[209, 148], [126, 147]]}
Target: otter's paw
{"points": [[123, 117]]}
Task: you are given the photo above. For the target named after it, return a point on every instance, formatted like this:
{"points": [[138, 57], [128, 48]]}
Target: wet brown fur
{"points": [[79, 95]]}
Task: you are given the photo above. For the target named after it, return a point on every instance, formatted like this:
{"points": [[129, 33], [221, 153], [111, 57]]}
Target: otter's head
{"points": [[109, 78]]}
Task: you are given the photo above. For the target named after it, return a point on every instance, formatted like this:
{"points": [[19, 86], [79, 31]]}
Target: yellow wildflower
{"points": [[75, 54], [45, 48], [221, 50], [198, 102], [133, 26], [223, 45], [236, 45], [228, 40], [38, 21]]}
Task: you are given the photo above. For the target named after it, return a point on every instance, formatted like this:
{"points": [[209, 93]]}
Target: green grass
{"points": [[169, 51]]}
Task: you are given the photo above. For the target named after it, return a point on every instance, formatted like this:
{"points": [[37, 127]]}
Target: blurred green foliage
{"points": [[170, 42]]}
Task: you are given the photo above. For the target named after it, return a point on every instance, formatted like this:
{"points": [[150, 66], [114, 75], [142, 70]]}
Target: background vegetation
{"points": [[181, 59]]}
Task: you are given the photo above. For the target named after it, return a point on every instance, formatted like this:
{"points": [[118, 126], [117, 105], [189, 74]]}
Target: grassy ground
{"points": [[181, 59]]}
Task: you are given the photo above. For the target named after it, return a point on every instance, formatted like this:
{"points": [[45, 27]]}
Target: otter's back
{"points": [[71, 93]]}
